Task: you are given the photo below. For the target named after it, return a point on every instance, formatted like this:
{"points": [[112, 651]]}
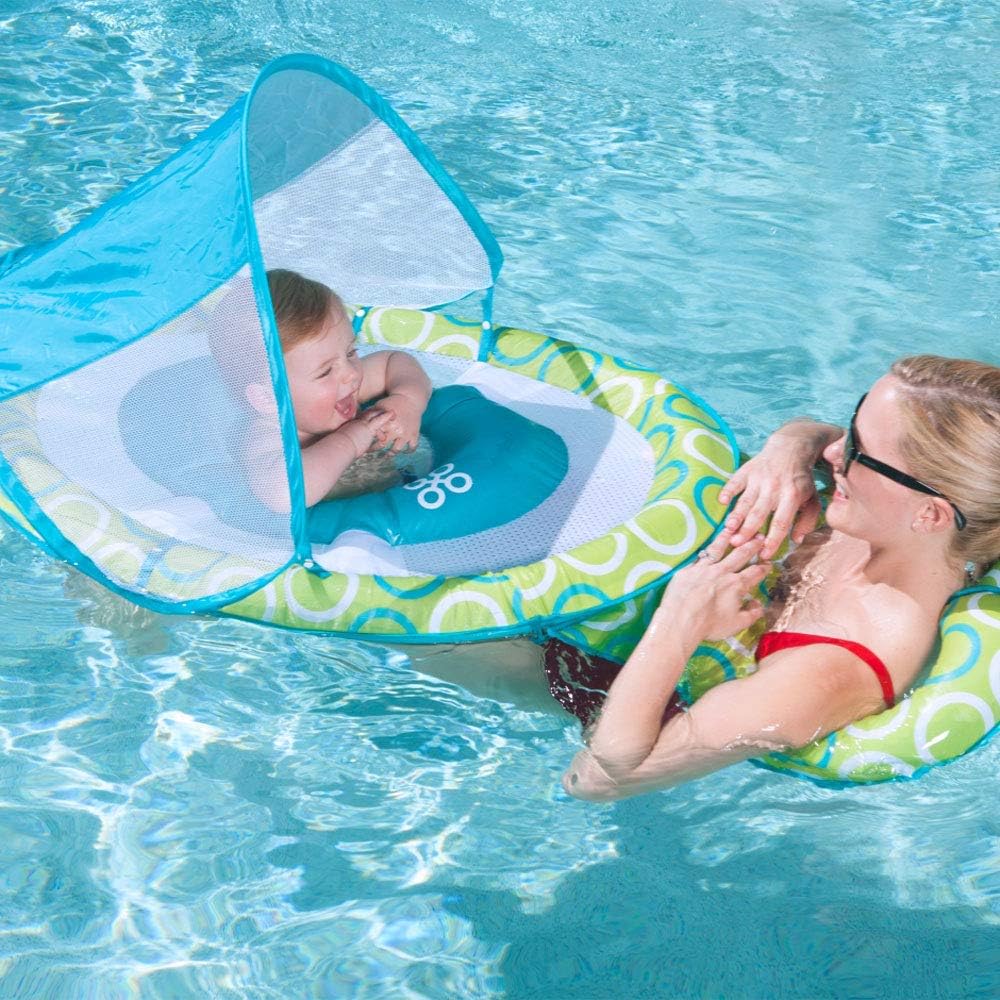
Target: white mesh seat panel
{"points": [[608, 479]]}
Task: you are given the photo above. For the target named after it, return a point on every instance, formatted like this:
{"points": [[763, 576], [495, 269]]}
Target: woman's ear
{"points": [[261, 398], [935, 514]]}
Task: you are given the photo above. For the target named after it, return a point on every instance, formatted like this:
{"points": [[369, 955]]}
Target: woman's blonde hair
{"points": [[951, 441]]}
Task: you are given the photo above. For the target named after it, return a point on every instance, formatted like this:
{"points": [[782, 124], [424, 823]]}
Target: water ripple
{"points": [[768, 202]]}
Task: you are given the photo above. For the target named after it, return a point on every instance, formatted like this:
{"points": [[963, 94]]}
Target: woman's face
{"points": [[865, 503]]}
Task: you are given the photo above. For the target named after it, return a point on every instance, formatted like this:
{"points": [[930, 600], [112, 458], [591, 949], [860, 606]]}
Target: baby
{"points": [[344, 449]]}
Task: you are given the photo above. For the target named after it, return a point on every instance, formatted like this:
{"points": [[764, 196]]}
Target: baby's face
{"points": [[324, 376]]}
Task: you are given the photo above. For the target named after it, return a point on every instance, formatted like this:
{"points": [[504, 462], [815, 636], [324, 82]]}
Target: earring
{"points": [[970, 570]]}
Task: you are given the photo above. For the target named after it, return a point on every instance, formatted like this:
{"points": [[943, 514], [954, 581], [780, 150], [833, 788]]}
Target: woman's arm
{"points": [[778, 481], [801, 697], [706, 599]]}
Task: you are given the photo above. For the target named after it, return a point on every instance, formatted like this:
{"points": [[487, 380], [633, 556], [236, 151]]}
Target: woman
{"points": [[915, 513]]}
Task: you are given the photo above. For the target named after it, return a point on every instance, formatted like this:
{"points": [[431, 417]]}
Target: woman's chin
{"points": [[835, 513]]}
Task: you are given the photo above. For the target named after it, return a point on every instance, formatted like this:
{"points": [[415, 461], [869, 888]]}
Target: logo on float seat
{"points": [[435, 486]]}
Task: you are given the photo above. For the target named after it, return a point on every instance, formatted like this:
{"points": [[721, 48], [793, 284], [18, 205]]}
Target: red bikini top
{"points": [[771, 642]]}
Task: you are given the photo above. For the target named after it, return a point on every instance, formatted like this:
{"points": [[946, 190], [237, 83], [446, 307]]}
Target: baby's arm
{"points": [[323, 462], [402, 389]]}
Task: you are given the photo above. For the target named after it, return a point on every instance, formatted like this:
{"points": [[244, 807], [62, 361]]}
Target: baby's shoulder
{"points": [[262, 437]]}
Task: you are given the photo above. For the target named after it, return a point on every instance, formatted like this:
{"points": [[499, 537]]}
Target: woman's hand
{"points": [[777, 482], [711, 597]]}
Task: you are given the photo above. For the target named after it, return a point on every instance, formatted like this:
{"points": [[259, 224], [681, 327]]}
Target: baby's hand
{"points": [[402, 428], [363, 432]]}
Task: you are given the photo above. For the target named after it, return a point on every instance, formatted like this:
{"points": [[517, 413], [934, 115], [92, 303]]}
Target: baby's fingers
{"points": [[375, 417]]}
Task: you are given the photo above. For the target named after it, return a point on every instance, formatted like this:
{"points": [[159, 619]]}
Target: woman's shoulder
{"points": [[898, 630]]}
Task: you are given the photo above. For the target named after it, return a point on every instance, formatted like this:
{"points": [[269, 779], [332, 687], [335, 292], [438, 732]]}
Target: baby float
{"points": [[565, 483]]}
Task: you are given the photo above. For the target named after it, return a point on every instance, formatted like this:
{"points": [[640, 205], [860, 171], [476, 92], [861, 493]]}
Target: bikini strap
{"points": [[772, 642]]}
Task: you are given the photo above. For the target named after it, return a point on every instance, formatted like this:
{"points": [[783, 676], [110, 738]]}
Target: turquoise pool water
{"points": [[767, 200]]}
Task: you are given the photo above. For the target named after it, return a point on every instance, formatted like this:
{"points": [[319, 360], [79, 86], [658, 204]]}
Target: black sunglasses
{"points": [[854, 454]]}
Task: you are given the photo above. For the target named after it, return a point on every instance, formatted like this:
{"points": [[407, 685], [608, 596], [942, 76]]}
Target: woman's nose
{"points": [[834, 452]]}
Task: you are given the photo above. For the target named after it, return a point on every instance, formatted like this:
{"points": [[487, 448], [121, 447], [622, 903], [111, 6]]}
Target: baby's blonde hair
{"points": [[951, 441], [301, 305]]}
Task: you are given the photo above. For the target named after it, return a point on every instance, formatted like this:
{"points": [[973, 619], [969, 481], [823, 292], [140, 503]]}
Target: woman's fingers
{"points": [[716, 549], [759, 513], [807, 519], [737, 484], [781, 524], [748, 614], [737, 517], [753, 575], [740, 555]]}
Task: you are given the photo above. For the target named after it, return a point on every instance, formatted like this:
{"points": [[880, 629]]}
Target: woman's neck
{"points": [[923, 569], [831, 562]]}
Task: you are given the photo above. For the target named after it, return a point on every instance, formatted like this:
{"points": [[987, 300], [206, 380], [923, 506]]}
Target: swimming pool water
{"points": [[768, 200]]}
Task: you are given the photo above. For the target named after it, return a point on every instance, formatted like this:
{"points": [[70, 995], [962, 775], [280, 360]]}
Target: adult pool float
{"points": [[953, 707]]}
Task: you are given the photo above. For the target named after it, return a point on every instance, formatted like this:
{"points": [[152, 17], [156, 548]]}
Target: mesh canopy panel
{"points": [[79, 448], [127, 421], [352, 206]]}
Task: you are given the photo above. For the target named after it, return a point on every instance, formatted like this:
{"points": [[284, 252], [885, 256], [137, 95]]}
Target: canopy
{"points": [[310, 171]]}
